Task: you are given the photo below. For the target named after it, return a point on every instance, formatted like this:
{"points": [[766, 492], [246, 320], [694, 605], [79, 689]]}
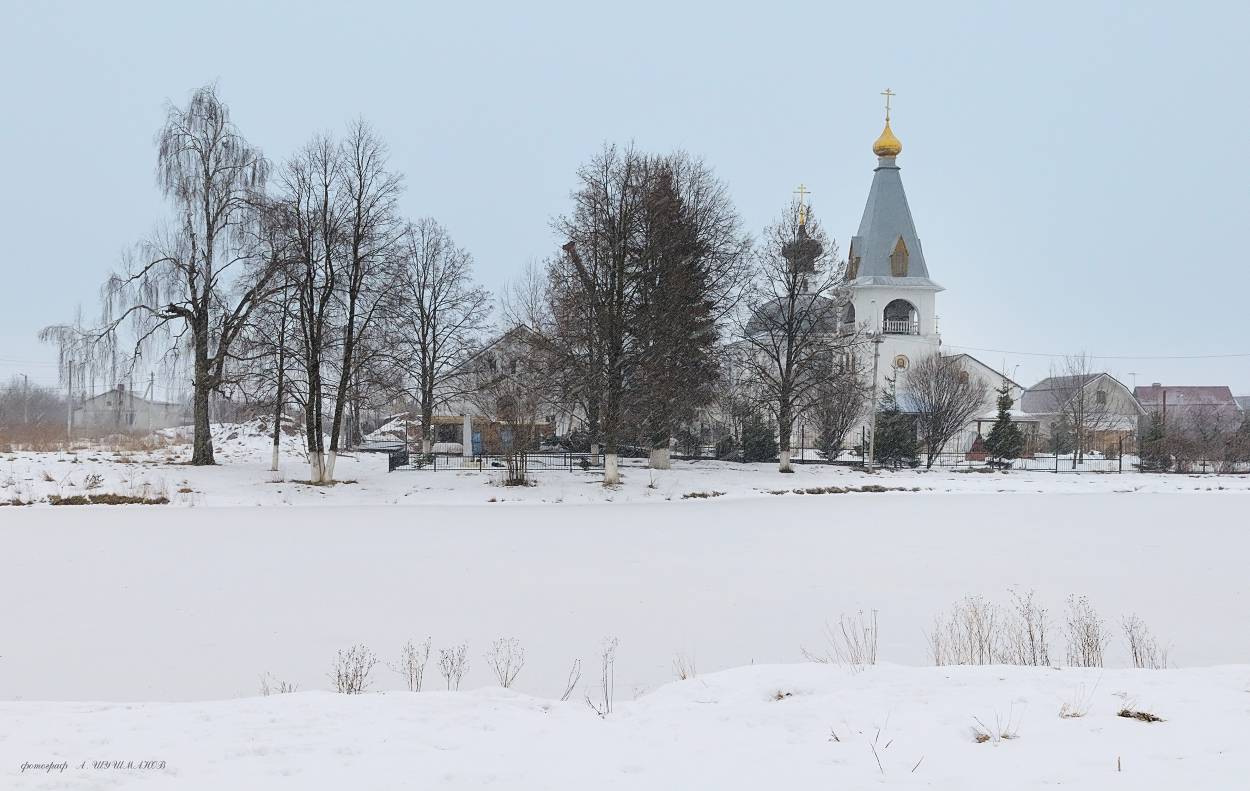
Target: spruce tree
{"points": [[897, 443], [1154, 451], [759, 440], [1006, 441]]}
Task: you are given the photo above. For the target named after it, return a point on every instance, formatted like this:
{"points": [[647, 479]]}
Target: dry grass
{"points": [[1003, 730], [853, 642], [701, 495], [1144, 716], [1078, 704], [107, 499]]}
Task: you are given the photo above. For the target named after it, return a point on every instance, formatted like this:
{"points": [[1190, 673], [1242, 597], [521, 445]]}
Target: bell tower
{"points": [[891, 292]]}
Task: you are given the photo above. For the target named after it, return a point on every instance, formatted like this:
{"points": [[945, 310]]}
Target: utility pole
{"points": [[69, 400], [876, 361], [25, 400], [150, 397]]}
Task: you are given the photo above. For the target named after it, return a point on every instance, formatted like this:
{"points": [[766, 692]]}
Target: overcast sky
{"points": [[1078, 174]]}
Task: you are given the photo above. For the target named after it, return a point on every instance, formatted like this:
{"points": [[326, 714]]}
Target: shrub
{"points": [[350, 673]]}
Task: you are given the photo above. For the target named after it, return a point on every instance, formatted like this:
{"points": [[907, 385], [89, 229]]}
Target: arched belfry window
{"points": [[898, 259], [901, 318], [848, 316]]}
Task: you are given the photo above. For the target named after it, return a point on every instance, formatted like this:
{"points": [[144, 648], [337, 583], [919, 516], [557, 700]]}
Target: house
{"points": [[121, 411], [497, 396], [1106, 411], [1207, 410]]}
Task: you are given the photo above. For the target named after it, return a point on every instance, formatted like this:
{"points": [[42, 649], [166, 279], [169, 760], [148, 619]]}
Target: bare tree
{"points": [[791, 340], [592, 288], [204, 274], [368, 192], [441, 313], [313, 220], [840, 403], [945, 397], [1080, 399]]}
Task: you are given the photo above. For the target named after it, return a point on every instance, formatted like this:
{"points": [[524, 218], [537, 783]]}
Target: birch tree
{"points": [[440, 315], [367, 192], [198, 281]]}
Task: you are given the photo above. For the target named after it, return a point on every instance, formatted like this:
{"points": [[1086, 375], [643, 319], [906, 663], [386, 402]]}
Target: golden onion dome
{"points": [[887, 145]]}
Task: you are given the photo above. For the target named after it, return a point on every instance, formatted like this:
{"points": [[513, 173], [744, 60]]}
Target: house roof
{"points": [[970, 358], [1048, 396], [130, 396], [1187, 395]]}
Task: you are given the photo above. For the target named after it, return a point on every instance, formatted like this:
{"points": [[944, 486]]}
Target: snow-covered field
{"points": [[242, 477], [162, 603], [775, 726]]}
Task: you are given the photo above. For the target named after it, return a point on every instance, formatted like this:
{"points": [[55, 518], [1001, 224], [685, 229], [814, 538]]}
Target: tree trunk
{"points": [[427, 423], [202, 450], [661, 458], [785, 424], [611, 472], [277, 412]]}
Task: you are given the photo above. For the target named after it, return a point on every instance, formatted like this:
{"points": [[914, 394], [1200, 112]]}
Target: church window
{"points": [[848, 317], [898, 259]]}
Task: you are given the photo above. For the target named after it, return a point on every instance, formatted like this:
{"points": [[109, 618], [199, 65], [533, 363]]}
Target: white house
{"points": [[121, 411]]}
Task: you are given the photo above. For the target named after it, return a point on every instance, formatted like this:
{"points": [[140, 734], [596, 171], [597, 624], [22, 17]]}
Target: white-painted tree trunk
{"points": [[331, 457], [315, 468], [273, 467], [594, 449], [611, 470], [427, 446], [785, 462], [661, 459]]}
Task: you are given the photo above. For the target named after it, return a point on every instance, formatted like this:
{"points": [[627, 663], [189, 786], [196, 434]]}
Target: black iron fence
{"points": [[528, 462]]}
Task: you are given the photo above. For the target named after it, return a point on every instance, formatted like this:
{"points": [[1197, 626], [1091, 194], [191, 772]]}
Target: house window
{"points": [[1100, 398], [963, 377], [898, 259]]}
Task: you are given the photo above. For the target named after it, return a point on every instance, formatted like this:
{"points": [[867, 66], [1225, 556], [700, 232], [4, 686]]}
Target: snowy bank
{"points": [[777, 726]]}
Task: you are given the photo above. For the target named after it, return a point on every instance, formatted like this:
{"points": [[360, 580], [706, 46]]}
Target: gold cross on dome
{"points": [[802, 192], [887, 93]]}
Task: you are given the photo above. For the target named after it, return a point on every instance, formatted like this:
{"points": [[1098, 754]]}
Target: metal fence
{"points": [[529, 462]]}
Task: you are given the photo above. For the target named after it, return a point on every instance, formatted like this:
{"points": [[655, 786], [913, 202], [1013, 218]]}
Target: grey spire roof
{"points": [[887, 218]]}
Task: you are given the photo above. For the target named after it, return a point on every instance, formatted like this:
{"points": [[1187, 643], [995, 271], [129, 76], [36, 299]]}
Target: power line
{"points": [[1110, 356]]}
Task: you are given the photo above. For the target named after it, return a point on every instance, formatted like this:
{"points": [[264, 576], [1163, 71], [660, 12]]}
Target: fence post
{"points": [[1121, 454]]}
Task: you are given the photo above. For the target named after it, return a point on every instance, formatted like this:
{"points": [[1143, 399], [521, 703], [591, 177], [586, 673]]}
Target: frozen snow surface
{"points": [[725, 564], [774, 726]]}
